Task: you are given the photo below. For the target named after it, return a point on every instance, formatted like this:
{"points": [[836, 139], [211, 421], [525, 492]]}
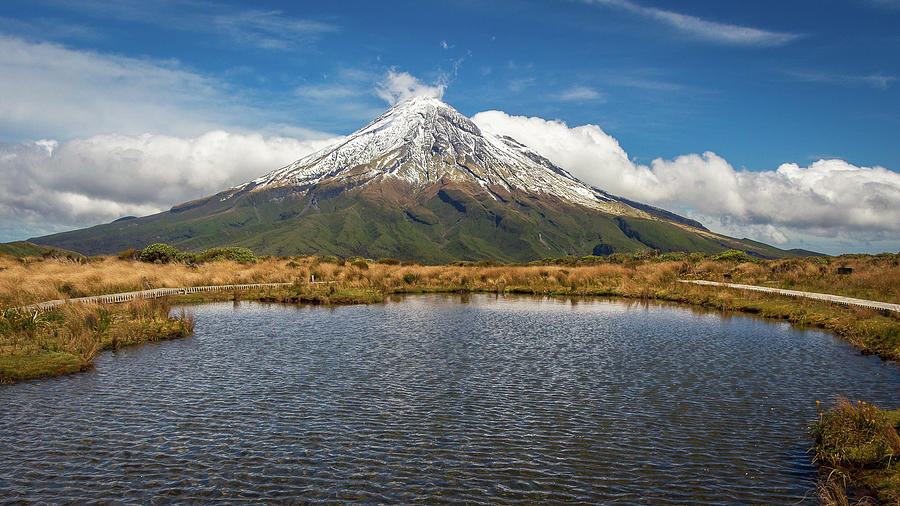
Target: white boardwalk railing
{"points": [[849, 301], [148, 294]]}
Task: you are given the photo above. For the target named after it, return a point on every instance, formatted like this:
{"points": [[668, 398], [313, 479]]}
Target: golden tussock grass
{"points": [[640, 277], [37, 344], [27, 283]]}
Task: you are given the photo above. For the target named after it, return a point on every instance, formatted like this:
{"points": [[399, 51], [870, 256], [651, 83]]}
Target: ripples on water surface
{"points": [[436, 398]]}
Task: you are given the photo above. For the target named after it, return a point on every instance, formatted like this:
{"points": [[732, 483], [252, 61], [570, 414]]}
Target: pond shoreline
{"points": [[420, 357], [361, 282], [868, 331], [840, 320]]}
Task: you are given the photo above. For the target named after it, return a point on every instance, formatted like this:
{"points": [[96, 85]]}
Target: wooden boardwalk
{"points": [[849, 301], [147, 294]]}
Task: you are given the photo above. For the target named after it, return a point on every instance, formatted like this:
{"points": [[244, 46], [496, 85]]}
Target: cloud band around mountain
{"points": [[53, 187], [56, 186], [827, 199]]}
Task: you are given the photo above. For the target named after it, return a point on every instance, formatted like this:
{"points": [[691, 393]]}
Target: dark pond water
{"points": [[439, 398]]}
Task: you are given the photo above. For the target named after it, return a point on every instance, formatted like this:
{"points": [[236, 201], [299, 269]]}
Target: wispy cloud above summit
{"points": [[398, 86], [700, 28]]}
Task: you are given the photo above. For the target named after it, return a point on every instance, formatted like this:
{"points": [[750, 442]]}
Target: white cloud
{"points": [[721, 33], [586, 151], [887, 4], [267, 29], [581, 93], [876, 80], [519, 84], [48, 89], [828, 202], [398, 86], [54, 186], [44, 27]]}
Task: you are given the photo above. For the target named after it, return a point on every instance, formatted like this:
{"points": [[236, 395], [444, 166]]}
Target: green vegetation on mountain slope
{"points": [[442, 224]]}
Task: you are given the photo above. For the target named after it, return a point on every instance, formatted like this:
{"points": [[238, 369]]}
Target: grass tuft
{"points": [[65, 340], [857, 443]]}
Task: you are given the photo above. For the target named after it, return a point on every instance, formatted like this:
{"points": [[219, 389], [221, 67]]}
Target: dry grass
{"points": [[26, 283], [65, 340], [875, 277], [640, 277]]}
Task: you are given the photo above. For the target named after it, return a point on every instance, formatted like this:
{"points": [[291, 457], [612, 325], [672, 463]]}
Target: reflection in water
{"points": [[496, 400]]}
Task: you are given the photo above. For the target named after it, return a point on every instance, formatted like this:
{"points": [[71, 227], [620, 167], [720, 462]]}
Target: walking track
{"points": [[163, 292], [849, 301], [147, 294]]}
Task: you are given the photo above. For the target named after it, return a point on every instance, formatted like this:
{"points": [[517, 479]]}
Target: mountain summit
{"points": [[422, 141], [421, 182]]}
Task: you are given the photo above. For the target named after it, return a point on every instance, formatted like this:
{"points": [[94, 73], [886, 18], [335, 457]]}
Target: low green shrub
{"points": [[17, 320], [329, 259], [159, 253], [674, 256], [388, 261], [130, 254], [734, 255], [239, 255], [186, 258]]}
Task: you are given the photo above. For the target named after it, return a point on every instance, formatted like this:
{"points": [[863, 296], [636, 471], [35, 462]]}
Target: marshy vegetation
{"points": [[39, 344], [857, 444]]}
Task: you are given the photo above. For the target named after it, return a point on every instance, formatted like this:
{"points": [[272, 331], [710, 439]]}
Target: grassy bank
{"points": [[648, 277], [65, 340], [857, 446]]}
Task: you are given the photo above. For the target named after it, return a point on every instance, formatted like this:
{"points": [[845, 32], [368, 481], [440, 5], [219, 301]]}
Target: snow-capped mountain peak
{"points": [[422, 141]]}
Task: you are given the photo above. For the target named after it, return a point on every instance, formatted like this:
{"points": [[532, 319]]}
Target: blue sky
{"points": [[760, 84]]}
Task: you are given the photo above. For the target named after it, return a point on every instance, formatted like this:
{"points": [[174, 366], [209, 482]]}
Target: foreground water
{"points": [[439, 398]]}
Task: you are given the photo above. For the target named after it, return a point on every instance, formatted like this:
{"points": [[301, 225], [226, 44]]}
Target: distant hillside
{"points": [[22, 249]]}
